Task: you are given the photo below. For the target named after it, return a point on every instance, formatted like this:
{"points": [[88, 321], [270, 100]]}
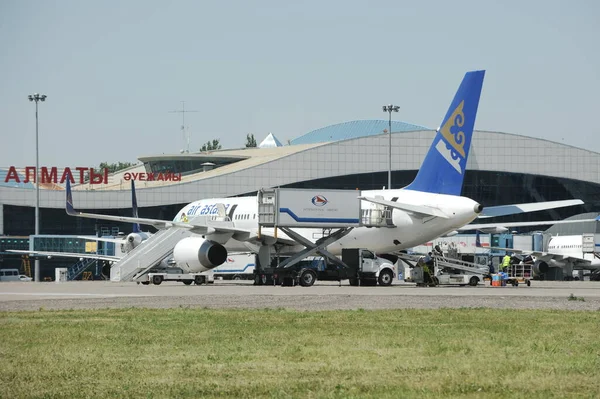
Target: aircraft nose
{"points": [[478, 208]]}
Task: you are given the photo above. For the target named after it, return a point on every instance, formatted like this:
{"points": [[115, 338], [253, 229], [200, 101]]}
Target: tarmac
{"points": [[574, 295]]}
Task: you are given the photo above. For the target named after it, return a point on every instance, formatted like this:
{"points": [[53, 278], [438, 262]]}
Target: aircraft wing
{"points": [[103, 239], [424, 210], [67, 255], [504, 210], [201, 224], [548, 256], [485, 226], [578, 263], [159, 224], [267, 234]]}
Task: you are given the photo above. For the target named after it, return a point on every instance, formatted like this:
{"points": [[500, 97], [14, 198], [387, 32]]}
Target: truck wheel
{"points": [[198, 280], [156, 280], [385, 278], [257, 280], [354, 282], [307, 278], [236, 277], [188, 282], [473, 281], [145, 282]]}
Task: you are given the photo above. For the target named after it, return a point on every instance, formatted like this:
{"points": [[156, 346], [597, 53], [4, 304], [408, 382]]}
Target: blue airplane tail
{"points": [[443, 169], [136, 226]]}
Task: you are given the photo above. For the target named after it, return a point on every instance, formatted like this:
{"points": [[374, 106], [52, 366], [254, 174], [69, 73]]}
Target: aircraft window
{"points": [[254, 216]]}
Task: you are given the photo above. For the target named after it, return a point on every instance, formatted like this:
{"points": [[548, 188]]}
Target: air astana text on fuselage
{"points": [[204, 209]]}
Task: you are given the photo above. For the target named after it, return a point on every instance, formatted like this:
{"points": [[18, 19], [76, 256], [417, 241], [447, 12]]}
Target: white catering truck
{"points": [[237, 267]]}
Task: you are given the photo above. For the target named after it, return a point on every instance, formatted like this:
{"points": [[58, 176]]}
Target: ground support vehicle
{"points": [[157, 277], [460, 279], [519, 273], [360, 267], [444, 271], [236, 267]]}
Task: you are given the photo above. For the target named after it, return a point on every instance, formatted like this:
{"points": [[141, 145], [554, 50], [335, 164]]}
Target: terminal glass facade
{"points": [[486, 187]]}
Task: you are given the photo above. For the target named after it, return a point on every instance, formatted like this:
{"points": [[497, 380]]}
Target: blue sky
{"points": [[113, 70]]}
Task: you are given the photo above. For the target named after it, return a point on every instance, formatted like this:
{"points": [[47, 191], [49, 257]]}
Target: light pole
{"points": [[37, 98], [390, 108]]}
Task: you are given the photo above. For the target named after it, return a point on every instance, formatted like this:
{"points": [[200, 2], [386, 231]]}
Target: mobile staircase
{"points": [[74, 271], [147, 255]]}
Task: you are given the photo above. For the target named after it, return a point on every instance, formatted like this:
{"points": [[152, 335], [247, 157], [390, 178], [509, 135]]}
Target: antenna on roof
{"points": [[185, 130]]}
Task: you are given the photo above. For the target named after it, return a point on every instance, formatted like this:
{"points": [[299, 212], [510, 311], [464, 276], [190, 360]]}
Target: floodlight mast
{"points": [[390, 108], [37, 98]]}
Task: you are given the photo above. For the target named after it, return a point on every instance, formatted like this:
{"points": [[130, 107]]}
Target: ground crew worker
{"points": [[505, 263], [426, 274], [426, 271]]}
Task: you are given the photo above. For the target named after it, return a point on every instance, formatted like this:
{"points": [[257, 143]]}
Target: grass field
{"points": [[190, 353]]}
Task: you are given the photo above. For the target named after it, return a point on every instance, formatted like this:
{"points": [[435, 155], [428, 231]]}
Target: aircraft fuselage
{"points": [[408, 230]]}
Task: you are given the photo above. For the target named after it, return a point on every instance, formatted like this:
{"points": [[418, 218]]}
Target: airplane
{"points": [[565, 252], [429, 207]]}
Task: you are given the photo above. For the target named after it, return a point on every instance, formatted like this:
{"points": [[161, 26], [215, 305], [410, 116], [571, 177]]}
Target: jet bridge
{"points": [[337, 212]]}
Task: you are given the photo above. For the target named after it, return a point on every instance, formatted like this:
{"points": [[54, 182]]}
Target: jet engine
{"points": [[133, 240], [540, 267], [196, 255]]}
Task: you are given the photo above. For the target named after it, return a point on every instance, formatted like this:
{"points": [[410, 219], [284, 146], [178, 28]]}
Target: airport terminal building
{"points": [[502, 168]]}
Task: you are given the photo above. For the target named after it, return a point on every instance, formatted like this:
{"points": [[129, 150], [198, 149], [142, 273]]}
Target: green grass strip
{"points": [[192, 353]]}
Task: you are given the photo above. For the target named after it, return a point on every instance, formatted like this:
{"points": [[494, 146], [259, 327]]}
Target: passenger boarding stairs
{"points": [[74, 271], [147, 255]]}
